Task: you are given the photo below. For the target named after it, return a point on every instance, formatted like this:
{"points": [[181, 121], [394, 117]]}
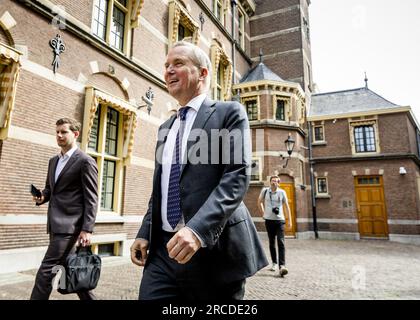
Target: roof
{"points": [[260, 72], [348, 101]]}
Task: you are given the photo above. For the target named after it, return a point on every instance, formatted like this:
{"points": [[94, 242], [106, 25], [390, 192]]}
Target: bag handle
{"points": [[83, 250]]}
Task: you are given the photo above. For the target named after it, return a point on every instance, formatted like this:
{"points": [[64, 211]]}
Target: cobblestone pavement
{"points": [[318, 269]]}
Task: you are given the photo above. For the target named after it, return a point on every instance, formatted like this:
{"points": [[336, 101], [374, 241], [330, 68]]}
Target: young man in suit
{"points": [[197, 240], [71, 189]]}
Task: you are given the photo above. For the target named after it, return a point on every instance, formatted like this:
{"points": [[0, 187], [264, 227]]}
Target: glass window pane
{"points": [[108, 181], [319, 133], [111, 132], [100, 12], [252, 109], [117, 28], [280, 114], [322, 185]]}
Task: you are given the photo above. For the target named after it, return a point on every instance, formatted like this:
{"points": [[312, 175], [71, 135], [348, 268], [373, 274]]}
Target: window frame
{"points": [[361, 123], [315, 140], [102, 156], [11, 59], [223, 11], [111, 4], [366, 140], [286, 108], [127, 122], [255, 98], [219, 58], [318, 193], [241, 27], [179, 15]]}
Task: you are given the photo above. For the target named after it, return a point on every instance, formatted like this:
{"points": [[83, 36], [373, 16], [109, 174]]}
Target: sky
{"points": [[381, 37]]}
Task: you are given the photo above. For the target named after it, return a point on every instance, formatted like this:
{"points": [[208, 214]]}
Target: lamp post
{"points": [[290, 144]]}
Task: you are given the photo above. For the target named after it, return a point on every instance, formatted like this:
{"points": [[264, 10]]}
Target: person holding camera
{"points": [[270, 204]]}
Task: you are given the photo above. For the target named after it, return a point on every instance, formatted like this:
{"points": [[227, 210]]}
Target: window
{"points": [[364, 137], [110, 22], [100, 17], [219, 10], [280, 110], [241, 28], [222, 72], [9, 74], [256, 170], [368, 180], [105, 130], [183, 32], [181, 24], [321, 186], [318, 133], [113, 19], [110, 125], [252, 109], [106, 249]]}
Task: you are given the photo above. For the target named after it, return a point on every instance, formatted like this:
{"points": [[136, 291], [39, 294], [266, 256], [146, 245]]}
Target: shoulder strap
{"points": [[265, 192]]}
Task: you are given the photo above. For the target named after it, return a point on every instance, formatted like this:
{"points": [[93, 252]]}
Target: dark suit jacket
{"points": [[212, 193], [73, 199]]}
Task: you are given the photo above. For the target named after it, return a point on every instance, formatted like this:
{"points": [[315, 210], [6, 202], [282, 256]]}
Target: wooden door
{"points": [[370, 203], [290, 191]]}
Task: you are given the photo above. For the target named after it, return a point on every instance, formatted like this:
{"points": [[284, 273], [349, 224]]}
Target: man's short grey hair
{"points": [[199, 58]]}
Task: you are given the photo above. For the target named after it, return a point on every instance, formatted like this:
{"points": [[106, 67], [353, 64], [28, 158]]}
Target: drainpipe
{"points": [[233, 4], [312, 180]]}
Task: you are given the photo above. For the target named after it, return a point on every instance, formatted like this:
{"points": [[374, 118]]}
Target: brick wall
{"points": [[264, 6], [412, 136], [275, 22], [397, 139], [399, 205], [81, 10], [337, 137]]}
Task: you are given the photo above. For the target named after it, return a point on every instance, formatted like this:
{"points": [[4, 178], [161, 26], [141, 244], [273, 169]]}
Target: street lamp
{"points": [[290, 144]]}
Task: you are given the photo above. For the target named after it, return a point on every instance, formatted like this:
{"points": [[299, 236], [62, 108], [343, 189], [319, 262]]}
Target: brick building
{"points": [[365, 155], [111, 55]]}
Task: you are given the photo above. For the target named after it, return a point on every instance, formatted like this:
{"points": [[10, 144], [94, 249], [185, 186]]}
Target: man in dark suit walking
{"points": [[197, 240], [71, 189]]}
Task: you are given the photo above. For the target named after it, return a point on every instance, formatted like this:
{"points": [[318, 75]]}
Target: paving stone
{"points": [[318, 269]]}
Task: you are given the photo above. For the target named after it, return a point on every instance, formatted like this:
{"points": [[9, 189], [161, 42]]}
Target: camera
{"points": [[276, 210]]}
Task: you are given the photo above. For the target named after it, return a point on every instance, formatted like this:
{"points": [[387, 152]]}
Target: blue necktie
{"points": [[174, 198]]}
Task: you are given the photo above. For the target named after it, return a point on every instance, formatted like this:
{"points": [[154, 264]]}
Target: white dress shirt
{"points": [[167, 157], [62, 161]]}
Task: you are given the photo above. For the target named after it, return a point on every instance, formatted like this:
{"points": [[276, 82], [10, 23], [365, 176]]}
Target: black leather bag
{"points": [[82, 271]]}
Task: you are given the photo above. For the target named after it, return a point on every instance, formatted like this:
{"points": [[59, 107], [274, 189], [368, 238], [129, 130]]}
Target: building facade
{"points": [[366, 166], [101, 62]]}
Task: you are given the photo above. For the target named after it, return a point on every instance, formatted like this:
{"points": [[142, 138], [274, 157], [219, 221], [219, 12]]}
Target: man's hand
{"points": [[138, 251], [183, 245], [38, 200], [84, 238]]}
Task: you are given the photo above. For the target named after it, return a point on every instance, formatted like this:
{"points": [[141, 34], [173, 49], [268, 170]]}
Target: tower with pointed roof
{"points": [[276, 108]]}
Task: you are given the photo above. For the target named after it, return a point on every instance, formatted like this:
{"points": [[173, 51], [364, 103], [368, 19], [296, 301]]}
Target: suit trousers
{"points": [[165, 279], [275, 228], [60, 246]]}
